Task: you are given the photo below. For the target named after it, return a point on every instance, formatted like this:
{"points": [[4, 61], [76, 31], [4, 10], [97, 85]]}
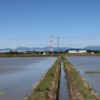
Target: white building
{"points": [[77, 51], [44, 53]]}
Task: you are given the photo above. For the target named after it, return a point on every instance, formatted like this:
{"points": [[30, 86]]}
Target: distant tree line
{"points": [[95, 51], [54, 52], [14, 53]]}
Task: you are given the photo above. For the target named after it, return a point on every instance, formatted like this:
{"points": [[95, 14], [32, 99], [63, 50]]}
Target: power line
{"points": [[58, 44], [52, 37]]}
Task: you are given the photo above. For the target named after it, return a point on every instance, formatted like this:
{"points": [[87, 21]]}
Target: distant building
{"points": [[77, 51], [44, 53], [13, 50], [4, 51]]}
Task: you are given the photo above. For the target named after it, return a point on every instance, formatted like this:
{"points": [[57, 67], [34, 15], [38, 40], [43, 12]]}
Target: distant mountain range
{"points": [[48, 48]]}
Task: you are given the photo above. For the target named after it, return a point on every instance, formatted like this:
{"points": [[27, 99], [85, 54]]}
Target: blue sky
{"points": [[22, 21]]}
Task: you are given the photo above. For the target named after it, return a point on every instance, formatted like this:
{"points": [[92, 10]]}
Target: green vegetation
{"points": [[95, 51], [76, 83], [92, 72], [42, 89], [81, 54], [26, 55], [2, 92], [48, 54]]}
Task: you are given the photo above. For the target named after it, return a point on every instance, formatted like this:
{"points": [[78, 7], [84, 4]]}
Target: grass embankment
{"points": [[92, 72], [47, 88], [27, 55], [48, 55], [79, 89], [81, 54]]}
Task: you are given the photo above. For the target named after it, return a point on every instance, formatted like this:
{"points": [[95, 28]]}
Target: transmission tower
{"points": [[51, 49], [51, 46]]}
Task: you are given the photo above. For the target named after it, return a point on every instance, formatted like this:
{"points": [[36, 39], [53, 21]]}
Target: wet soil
{"points": [[54, 89]]}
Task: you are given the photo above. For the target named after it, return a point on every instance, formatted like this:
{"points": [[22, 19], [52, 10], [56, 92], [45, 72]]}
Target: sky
{"points": [[29, 23]]}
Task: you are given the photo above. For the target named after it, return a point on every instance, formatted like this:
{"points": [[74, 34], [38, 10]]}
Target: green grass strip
{"points": [[92, 72]]}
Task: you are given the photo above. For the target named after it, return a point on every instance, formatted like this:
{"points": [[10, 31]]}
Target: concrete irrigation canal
{"points": [[62, 82]]}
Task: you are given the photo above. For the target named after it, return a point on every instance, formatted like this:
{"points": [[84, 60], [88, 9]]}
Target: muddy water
{"points": [[17, 75], [91, 64], [63, 90]]}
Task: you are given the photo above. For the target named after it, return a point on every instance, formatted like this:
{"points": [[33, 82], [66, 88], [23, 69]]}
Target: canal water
{"points": [[83, 64], [18, 75], [63, 90]]}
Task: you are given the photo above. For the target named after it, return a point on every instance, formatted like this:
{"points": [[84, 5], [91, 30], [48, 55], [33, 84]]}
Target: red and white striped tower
{"points": [[51, 46]]}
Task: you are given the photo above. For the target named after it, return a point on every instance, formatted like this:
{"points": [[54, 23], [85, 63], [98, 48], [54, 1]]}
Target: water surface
{"points": [[88, 64], [17, 75], [63, 90]]}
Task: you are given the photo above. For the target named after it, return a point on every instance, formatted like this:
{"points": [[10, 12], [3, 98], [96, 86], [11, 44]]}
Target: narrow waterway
{"points": [[63, 90]]}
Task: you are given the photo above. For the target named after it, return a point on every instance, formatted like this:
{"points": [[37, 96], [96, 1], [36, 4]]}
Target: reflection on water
{"points": [[17, 75], [51, 61], [88, 64], [63, 90]]}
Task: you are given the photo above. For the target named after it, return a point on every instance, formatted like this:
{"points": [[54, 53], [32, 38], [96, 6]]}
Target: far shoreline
{"points": [[49, 55]]}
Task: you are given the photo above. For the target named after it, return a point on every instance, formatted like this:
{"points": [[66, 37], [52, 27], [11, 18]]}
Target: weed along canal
{"points": [[63, 90]]}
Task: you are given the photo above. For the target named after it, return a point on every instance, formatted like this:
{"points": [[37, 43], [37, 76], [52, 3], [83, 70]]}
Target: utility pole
{"points": [[58, 44], [17, 48]]}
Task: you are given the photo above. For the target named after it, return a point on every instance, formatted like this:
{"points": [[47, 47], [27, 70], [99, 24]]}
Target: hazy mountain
{"points": [[93, 47], [48, 48], [45, 48], [36, 48]]}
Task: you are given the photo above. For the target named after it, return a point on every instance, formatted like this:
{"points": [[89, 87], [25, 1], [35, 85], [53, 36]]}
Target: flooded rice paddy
{"points": [[88, 64], [63, 90], [18, 75]]}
